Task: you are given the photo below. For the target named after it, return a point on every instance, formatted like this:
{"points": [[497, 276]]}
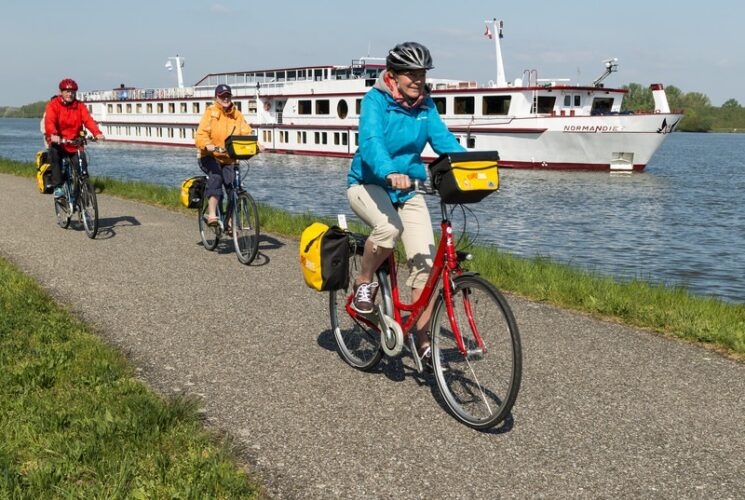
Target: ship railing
{"points": [[137, 94]]}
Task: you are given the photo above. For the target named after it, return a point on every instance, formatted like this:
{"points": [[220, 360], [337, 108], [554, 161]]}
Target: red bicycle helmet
{"points": [[68, 84]]}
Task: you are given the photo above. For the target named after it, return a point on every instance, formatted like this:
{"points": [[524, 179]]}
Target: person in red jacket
{"points": [[64, 118]]}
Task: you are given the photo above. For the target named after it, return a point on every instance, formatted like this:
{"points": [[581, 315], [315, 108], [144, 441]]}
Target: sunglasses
{"points": [[225, 97]]}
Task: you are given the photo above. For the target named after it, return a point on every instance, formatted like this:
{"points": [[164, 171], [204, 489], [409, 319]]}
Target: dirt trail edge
{"points": [[604, 410]]}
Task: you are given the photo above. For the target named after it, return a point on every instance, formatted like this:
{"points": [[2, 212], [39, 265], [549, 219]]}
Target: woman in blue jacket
{"points": [[397, 121]]}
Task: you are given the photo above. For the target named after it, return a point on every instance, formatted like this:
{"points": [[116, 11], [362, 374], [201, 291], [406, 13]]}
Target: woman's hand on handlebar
{"points": [[398, 181]]}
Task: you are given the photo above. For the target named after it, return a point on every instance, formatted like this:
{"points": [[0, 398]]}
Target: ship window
{"points": [[304, 107], [344, 138], [252, 106], [317, 137], [545, 104], [441, 105], [148, 131], [336, 138], [129, 107], [322, 107], [567, 101], [358, 106], [182, 107], [182, 133], [496, 105], [118, 108], [324, 138], [160, 107], [139, 107], [195, 107], [464, 105], [356, 139], [170, 132], [577, 100], [601, 105], [470, 142], [159, 131], [149, 107], [238, 105], [342, 109], [171, 107], [110, 108]]}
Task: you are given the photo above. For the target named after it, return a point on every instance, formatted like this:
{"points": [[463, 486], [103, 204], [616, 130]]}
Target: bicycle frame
{"points": [[73, 175], [444, 266], [237, 187]]}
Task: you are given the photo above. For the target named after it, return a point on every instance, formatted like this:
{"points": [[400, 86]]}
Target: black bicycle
{"points": [[238, 219], [80, 194]]}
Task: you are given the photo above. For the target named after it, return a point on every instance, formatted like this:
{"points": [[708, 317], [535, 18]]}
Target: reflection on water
{"points": [[680, 222]]}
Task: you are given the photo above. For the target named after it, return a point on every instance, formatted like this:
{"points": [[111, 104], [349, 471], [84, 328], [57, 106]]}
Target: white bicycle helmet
{"points": [[409, 56]]}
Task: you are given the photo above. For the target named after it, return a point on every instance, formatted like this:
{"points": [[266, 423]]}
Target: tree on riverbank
{"points": [[33, 110], [700, 115]]}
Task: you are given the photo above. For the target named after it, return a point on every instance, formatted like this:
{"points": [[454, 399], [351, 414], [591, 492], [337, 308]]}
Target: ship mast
{"points": [[497, 34], [179, 64]]}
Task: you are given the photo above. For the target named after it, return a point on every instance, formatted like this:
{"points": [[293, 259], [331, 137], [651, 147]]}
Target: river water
{"points": [[681, 222]]}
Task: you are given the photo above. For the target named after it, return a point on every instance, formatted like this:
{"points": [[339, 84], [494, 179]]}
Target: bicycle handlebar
{"points": [[78, 141], [417, 186]]}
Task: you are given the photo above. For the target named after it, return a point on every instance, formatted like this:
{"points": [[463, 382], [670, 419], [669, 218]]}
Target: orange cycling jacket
{"points": [[215, 126], [67, 121]]}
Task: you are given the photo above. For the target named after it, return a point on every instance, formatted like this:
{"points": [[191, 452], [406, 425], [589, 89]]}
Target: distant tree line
{"points": [[700, 115], [33, 110]]}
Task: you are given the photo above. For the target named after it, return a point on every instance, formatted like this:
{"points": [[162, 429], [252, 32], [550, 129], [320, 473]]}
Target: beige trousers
{"points": [[410, 221]]}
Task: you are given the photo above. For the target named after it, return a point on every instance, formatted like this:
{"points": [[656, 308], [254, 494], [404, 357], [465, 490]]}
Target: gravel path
{"points": [[605, 411]]}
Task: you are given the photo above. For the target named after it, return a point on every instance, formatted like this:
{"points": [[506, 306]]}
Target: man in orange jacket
{"points": [[64, 119]]}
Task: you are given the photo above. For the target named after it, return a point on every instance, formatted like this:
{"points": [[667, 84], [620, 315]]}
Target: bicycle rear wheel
{"points": [[88, 205], [246, 228], [358, 343], [210, 234], [480, 387]]}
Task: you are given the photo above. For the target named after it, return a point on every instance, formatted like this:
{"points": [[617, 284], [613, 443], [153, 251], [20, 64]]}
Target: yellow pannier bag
{"points": [[192, 191], [44, 178], [241, 147], [41, 158], [465, 177], [324, 257]]}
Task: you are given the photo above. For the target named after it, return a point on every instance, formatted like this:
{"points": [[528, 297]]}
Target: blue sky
{"points": [[696, 47]]}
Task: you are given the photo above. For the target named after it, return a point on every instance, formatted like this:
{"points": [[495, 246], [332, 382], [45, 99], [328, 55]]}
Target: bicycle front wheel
{"points": [[358, 342], [209, 234], [481, 385], [246, 228], [61, 212], [88, 208]]}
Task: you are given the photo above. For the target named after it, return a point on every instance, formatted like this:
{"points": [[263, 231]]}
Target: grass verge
{"points": [[76, 423], [668, 310]]}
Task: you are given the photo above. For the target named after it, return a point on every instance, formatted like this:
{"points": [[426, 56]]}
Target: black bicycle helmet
{"points": [[409, 56]]}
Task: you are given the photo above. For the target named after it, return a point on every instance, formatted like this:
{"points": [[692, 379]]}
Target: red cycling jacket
{"points": [[67, 121]]}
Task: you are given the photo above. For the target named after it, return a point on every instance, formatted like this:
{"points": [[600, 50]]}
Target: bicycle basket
{"points": [[241, 147], [465, 177]]}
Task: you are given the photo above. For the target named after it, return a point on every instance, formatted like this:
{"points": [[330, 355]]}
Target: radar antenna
{"points": [[611, 65]]}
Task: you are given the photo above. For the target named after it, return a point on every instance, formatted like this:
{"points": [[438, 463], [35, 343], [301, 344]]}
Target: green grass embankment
{"points": [[668, 310], [76, 423]]}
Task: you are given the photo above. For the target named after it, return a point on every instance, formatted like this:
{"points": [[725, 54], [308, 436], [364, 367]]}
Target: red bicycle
{"points": [[476, 352]]}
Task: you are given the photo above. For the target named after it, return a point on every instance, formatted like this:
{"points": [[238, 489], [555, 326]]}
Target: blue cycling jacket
{"points": [[392, 138]]}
